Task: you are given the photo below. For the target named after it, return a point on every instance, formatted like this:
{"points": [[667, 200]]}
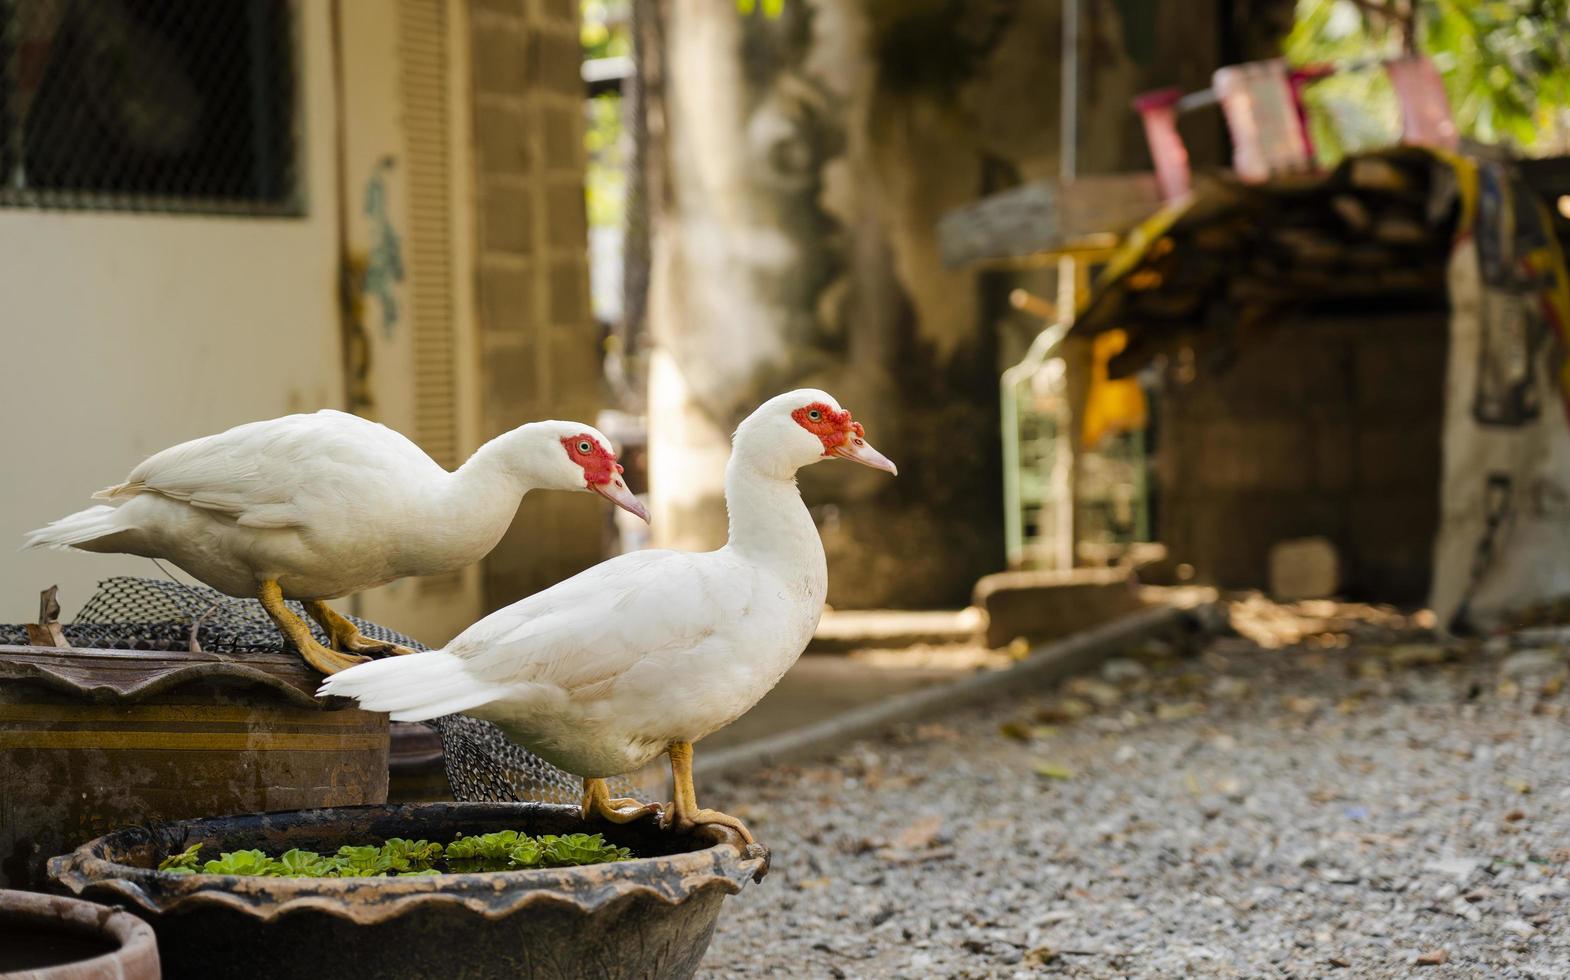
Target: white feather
{"points": [[75, 529], [409, 687]]}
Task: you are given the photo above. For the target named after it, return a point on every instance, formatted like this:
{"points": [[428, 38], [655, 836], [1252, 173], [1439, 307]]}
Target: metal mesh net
{"points": [[128, 613], [149, 105]]}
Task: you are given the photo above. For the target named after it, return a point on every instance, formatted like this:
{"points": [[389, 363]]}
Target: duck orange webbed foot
{"points": [[347, 637], [683, 822], [685, 813], [299, 635], [598, 804]]}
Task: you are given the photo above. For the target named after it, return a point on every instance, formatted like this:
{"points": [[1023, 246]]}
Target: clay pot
{"points": [[91, 740], [46, 937], [650, 917]]}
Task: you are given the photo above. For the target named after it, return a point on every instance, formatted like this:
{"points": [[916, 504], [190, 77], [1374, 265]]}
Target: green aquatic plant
{"points": [[484, 852], [295, 863], [361, 862], [250, 863], [508, 850], [406, 856], [504, 850], [529, 852], [578, 849], [183, 863]]}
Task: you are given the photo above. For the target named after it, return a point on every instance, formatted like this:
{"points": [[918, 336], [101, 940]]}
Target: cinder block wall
{"points": [[539, 346], [1324, 426]]}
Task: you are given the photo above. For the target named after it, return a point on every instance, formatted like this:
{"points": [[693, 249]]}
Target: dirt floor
{"points": [[1332, 793]]}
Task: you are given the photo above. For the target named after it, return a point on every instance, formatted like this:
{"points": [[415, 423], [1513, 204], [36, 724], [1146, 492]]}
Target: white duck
{"points": [[313, 507], [651, 651]]}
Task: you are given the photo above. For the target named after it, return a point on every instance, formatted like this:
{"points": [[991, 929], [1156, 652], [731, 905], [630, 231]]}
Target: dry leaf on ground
{"points": [[1052, 770]]}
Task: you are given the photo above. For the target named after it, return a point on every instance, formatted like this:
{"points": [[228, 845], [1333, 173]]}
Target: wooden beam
{"points": [[1046, 215]]}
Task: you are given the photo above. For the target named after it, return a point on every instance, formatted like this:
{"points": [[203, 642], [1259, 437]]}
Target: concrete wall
{"points": [[405, 137], [1319, 427], [122, 333], [538, 345], [126, 333]]}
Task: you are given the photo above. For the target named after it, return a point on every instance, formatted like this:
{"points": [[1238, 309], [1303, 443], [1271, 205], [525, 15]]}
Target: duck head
{"points": [[575, 456], [803, 427]]}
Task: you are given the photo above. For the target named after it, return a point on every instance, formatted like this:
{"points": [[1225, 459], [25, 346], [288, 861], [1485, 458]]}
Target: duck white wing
{"points": [[577, 637], [600, 624], [269, 474]]}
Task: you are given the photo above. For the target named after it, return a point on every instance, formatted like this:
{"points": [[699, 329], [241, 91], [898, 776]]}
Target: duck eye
{"points": [[814, 415], [583, 447]]}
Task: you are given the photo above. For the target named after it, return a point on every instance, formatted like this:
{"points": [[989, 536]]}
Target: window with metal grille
{"points": [[149, 105]]}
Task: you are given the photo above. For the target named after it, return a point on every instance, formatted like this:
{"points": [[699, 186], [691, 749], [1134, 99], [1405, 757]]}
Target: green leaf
{"points": [[484, 852], [184, 862], [410, 855], [771, 8], [362, 862], [527, 853], [578, 849], [295, 863], [249, 863]]}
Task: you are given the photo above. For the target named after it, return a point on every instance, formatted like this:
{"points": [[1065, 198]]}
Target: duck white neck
{"points": [[769, 523], [504, 462], [473, 507]]}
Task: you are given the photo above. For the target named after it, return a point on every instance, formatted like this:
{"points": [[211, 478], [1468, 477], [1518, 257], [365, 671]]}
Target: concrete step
{"points": [[840, 631]]}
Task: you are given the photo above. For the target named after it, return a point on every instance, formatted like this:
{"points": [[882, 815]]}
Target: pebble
{"points": [[1520, 927], [1531, 663], [1461, 868], [1121, 670]]}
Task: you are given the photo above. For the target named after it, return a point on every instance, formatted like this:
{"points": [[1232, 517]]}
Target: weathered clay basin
{"points": [[47, 937], [651, 917], [91, 740]]}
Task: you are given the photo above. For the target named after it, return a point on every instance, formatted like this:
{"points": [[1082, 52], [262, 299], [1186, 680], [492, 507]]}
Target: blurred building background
{"points": [[214, 213]]}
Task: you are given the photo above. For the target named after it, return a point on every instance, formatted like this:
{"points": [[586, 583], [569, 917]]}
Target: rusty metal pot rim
{"points": [[726, 863], [135, 939], [69, 670]]}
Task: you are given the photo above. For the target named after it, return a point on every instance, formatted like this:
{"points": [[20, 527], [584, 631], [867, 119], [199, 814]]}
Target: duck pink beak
{"points": [[858, 450], [615, 490]]}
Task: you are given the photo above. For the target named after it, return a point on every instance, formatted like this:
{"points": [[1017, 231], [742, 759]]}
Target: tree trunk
{"points": [[793, 246]]}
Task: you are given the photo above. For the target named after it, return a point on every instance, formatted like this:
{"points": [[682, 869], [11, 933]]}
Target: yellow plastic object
{"points": [[1111, 406]]}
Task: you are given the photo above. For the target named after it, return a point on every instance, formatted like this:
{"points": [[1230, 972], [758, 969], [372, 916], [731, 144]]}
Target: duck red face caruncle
{"points": [[601, 473], [841, 435]]}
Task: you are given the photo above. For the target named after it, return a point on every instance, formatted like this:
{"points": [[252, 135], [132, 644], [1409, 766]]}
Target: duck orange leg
{"points": [[685, 813], [299, 635], [347, 636], [597, 802]]}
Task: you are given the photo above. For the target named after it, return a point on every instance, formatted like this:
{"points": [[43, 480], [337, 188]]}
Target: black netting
{"points": [[129, 613], [163, 105]]}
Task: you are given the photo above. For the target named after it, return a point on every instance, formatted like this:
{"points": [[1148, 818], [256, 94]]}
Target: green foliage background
{"points": [[1506, 66], [605, 33]]}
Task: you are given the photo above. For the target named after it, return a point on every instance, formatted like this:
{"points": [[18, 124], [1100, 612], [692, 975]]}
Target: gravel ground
{"points": [[1331, 794]]}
